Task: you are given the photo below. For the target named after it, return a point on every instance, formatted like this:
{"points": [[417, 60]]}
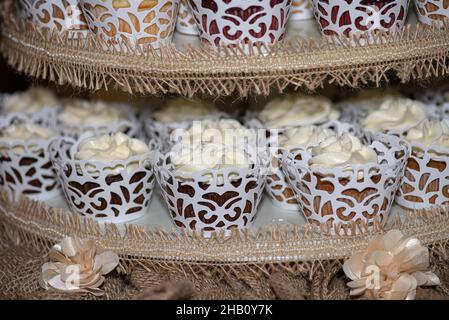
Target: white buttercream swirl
{"points": [[304, 136], [429, 133], [26, 131], [31, 101], [369, 100], [299, 110], [182, 110], [395, 114]]}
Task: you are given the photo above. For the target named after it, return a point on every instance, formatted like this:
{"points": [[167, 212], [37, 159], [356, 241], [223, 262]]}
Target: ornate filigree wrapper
{"points": [[26, 168], [241, 21], [141, 22], [186, 22], [432, 11], [77, 266], [391, 268], [100, 190], [278, 188], [346, 18], [301, 10], [57, 15], [360, 193], [212, 199]]}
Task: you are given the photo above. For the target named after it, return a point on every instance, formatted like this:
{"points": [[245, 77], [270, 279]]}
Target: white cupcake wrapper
{"points": [[105, 196], [29, 172], [238, 21], [361, 17], [140, 26], [56, 15], [301, 10], [186, 22], [200, 203], [338, 197], [278, 188], [431, 11]]}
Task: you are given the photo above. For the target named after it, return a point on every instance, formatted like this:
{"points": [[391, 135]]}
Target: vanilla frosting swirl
{"points": [[182, 110], [86, 113], [303, 136], [31, 101], [430, 133], [293, 111], [395, 114], [26, 131], [109, 148], [369, 100], [341, 151]]}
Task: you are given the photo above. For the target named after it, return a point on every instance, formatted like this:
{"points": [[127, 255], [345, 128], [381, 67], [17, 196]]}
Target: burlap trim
{"points": [[416, 52]]}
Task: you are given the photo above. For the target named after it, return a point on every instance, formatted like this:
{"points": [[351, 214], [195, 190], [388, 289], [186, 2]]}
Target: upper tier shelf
{"points": [[304, 60]]}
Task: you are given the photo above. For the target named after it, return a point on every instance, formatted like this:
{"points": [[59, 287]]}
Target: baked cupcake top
{"points": [[107, 148], [299, 110], [430, 133], [395, 114], [31, 101], [87, 113], [25, 132], [182, 110], [224, 131], [303, 136], [341, 151]]}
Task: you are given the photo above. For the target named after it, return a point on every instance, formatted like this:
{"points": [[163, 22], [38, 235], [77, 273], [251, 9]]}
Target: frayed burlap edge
{"points": [[415, 52]]}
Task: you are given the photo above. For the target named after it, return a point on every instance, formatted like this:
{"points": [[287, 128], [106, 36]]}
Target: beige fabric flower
{"points": [[77, 265], [391, 268]]}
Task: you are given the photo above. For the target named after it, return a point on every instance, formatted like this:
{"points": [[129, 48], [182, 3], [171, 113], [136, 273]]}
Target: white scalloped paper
{"points": [[432, 11], [94, 190], [186, 22], [58, 15], [339, 197], [28, 172], [140, 22], [301, 10], [278, 188], [211, 200]]}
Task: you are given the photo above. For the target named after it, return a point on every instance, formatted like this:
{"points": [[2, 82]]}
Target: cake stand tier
{"points": [[304, 60]]}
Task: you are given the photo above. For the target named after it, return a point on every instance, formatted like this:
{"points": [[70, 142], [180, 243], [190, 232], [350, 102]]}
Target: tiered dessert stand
{"points": [[280, 256]]}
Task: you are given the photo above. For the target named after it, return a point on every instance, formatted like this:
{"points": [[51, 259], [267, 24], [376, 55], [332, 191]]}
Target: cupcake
{"points": [[37, 103], [297, 110], [343, 181], [178, 113], [106, 177], [81, 116], [25, 162], [395, 115], [425, 182], [212, 183]]}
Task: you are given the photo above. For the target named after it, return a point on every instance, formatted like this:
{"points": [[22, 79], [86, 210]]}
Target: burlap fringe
{"points": [[413, 53]]}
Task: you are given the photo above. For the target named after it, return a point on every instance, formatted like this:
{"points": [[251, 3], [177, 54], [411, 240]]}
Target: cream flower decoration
{"points": [[391, 268], [77, 265]]}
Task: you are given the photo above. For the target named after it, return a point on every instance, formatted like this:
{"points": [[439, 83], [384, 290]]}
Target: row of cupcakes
{"points": [[220, 22], [119, 188]]}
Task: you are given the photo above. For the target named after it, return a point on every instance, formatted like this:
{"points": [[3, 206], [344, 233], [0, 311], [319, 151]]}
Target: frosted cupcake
{"points": [[106, 177], [81, 116], [395, 115], [425, 182], [25, 162], [297, 110], [342, 182], [211, 185]]}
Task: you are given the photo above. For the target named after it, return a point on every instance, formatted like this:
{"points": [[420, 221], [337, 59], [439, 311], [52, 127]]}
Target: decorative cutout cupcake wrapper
{"points": [[58, 15], [230, 22], [278, 188], [186, 22], [431, 11], [339, 197], [426, 178], [141, 22], [94, 190], [342, 17], [25, 166], [211, 200], [301, 10]]}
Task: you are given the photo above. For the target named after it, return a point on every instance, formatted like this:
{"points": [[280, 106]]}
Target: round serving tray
{"points": [[303, 60]]}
